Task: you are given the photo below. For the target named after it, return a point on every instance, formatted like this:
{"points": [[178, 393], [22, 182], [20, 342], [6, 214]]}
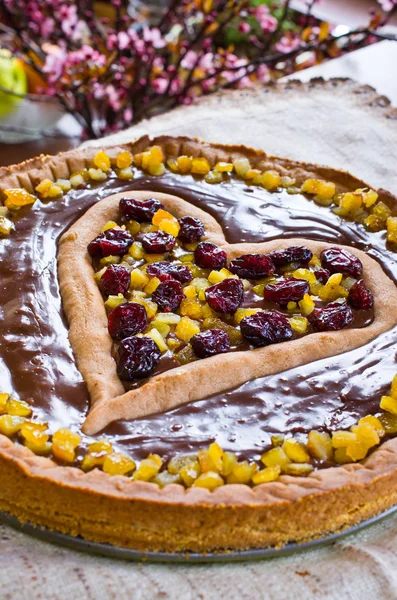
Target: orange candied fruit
{"points": [[18, 198], [64, 444], [102, 161]]}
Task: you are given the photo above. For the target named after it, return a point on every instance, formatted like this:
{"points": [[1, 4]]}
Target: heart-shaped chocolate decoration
{"points": [[92, 344]]}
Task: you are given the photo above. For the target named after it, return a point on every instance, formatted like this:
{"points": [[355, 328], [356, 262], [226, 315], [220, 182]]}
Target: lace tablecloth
{"points": [[343, 125]]}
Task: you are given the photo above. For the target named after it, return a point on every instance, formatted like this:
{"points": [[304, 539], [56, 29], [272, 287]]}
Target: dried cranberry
{"points": [[299, 254], [332, 317], [191, 229], [264, 328], [360, 296], [252, 266], [126, 319], [115, 280], [288, 290], [168, 295], [137, 357], [112, 242], [210, 256], [210, 342], [322, 275], [139, 210], [158, 242], [226, 296], [179, 272], [338, 260]]}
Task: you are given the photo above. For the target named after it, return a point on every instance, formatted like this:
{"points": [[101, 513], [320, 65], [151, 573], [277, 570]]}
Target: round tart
{"points": [[197, 346]]}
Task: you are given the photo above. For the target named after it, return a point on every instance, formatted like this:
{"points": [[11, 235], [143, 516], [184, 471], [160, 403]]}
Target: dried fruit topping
{"points": [[168, 270], [126, 319], [139, 210], [322, 275], [191, 229], [210, 342], [360, 296], [158, 242], [168, 295], [210, 256], [338, 260], [137, 357], [226, 296], [110, 243], [289, 290], [332, 317], [299, 254], [265, 328], [252, 266], [115, 280]]}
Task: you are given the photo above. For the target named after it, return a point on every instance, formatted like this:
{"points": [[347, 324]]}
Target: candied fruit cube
{"points": [[389, 404], [241, 313], [214, 177], [382, 210], [125, 173], [44, 187], [64, 184], [4, 397], [275, 457], [77, 180], [341, 439], [162, 215], [97, 174], [306, 305], [217, 276], [321, 201], [389, 423], [391, 235], [224, 167], [309, 276], [266, 475], [151, 286], [242, 166], [110, 225], [270, 180], [149, 306], [350, 201], [162, 328], [369, 197], [393, 392], [191, 308], [319, 445], [173, 344], [299, 469], [113, 301], [156, 336], [215, 453], [253, 176], [357, 450], [173, 165], [156, 169], [326, 189], [118, 464], [156, 154], [124, 159], [179, 461], [295, 451], [18, 408], [184, 164], [35, 437], [102, 161], [189, 473], [287, 182], [277, 439], [340, 456], [6, 226], [171, 227], [186, 355], [233, 333], [165, 478], [206, 462], [18, 198], [9, 424], [190, 292], [366, 434], [209, 480], [200, 166], [147, 469], [299, 324], [136, 251], [242, 472], [139, 280], [229, 461], [64, 444], [97, 452], [186, 329], [168, 318], [374, 223]]}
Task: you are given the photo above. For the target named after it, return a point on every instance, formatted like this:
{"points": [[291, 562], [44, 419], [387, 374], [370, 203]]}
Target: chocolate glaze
{"points": [[37, 363]]}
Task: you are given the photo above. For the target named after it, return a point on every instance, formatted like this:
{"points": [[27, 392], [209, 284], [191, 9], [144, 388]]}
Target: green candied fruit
{"points": [[186, 355], [234, 334]]}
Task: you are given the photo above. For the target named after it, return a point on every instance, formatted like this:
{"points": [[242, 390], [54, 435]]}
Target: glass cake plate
{"points": [[82, 545]]}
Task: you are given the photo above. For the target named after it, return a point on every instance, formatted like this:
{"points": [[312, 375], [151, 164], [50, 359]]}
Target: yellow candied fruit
{"points": [[275, 457], [136, 251], [149, 306], [315, 261], [242, 472], [234, 334], [148, 468], [200, 283], [309, 276], [207, 463], [224, 167], [277, 439], [64, 444], [156, 154], [215, 453], [189, 473], [191, 308], [217, 277], [375, 424], [319, 445], [171, 227], [133, 227], [369, 197], [18, 408], [340, 456], [214, 177], [241, 313], [64, 184], [96, 454], [342, 439], [168, 318], [287, 182], [209, 480], [389, 423], [253, 176], [325, 189], [393, 391], [291, 306], [110, 225], [35, 437], [208, 313], [156, 169], [18, 198], [109, 260], [241, 166], [374, 223], [389, 404], [162, 215], [173, 344], [158, 339], [357, 450], [321, 201], [139, 280], [125, 173], [6, 226], [164, 478], [113, 301], [298, 469], [391, 225], [299, 324], [382, 211], [102, 161], [179, 461], [229, 461], [44, 187], [295, 451], [190, 292], [118, 464], [266, 475], [270, 180], [184, 164], [200, 166], [332, 290], [9, 424], [152, 286], [366, 434], [151, 258], [162, 328], [4, 398], [124, 159], [350, 202], [306, 305], [97, 174], [77, 180], [173, 165]]}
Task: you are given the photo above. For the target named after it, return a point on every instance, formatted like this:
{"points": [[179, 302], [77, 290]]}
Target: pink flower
{"points": [[244, 27], [123, 40], [387, 5], [262, 74], [268, 23], [160, 84], [189, 60], [154, 37], [288, 43], [47, 27], [68, 17]]}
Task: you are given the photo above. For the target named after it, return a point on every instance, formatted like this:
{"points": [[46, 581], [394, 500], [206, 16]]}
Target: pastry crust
{"points": [[91, 342], [139, 515]]}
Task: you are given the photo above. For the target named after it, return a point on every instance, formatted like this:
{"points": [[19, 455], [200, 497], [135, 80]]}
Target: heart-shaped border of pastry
{"points": [[84, 308]]}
